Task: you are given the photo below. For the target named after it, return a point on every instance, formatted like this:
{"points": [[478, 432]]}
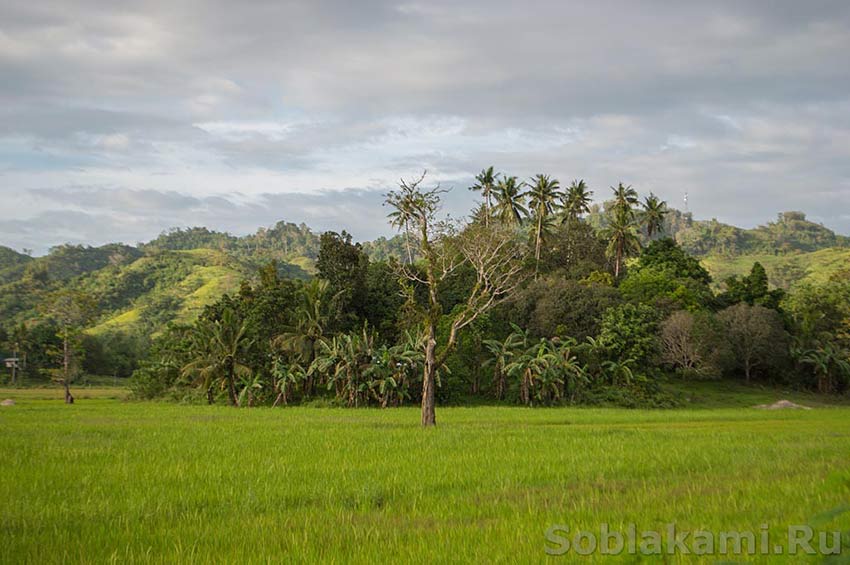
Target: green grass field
{"points": [[110, 480]]}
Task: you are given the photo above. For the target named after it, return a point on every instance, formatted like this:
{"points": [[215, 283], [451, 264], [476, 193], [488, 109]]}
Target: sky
{"points": [[121, 119]]}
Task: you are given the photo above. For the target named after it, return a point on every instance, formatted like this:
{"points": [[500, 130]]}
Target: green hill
{"points": [[173, 277], [11, 258], [783, 270]]}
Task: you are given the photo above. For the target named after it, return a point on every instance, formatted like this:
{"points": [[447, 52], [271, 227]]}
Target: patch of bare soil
{"points": [[783, 405]]}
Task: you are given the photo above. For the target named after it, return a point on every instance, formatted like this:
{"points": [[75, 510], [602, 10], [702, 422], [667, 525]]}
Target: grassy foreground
{"points": [[106, 480]]}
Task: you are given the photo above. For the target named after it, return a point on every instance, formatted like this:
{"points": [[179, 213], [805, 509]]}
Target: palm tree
{"points": [[625, 198], [311, 315], [576, 201], [652, 215], [400, 219], [622, 240], [509, 207], [218, 346], [486, 183], [544, 194], [503, 352]]}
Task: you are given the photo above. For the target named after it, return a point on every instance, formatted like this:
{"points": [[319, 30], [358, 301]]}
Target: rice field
{"points": [[107, 480]]}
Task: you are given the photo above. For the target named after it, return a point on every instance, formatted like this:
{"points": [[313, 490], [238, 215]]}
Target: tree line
{"points": [[524, 302]]}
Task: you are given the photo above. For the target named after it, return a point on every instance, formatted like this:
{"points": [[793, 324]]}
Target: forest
{"points": [[539, 298]]}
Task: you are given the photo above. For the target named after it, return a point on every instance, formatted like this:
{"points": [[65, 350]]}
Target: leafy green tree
{"points": [[344, 265], [544, 193], [510, 199], [161, 371], [629, 331], [556, 306], [574, 250], [665, 292], [756, 336], [820, 313], [666, 255], [383, 302], [752, 289]]}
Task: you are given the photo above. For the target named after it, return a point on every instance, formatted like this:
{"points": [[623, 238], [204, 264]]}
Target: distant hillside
{"points": [[172, 277], [791, 248], [783, 270], [791, 232], [10, 258]]}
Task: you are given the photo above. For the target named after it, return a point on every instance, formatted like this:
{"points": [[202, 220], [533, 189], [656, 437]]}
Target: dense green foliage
{"points": [[542, 298]]}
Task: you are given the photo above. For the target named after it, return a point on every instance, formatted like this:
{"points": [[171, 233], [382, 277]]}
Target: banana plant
{"points": [[287, 378], [503, 352]]}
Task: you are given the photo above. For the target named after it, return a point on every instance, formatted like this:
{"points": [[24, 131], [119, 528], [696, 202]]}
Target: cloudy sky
{"points": [[120, 119]]}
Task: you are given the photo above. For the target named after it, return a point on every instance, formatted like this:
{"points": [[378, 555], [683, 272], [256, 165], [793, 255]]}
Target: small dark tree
{"points": [[344, 265], [71, 311], [756, 336]]}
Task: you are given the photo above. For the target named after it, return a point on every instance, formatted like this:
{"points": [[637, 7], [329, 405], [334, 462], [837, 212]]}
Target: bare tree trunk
{"points": [[66, 369], [14, 366], [429, 417], [537, 245], [231, 389], [524, 389], [501, 385], [407, 244], [617, 261]]}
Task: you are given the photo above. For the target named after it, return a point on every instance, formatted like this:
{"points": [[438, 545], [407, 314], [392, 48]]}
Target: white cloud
{"points": [[745, 106]]}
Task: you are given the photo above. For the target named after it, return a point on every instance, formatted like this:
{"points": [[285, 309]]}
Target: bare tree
{"points": [[678, 344], [490, 250]]}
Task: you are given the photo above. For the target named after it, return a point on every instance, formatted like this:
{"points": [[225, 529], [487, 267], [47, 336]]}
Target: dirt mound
{"points": [[783, 405], [7, 402]]}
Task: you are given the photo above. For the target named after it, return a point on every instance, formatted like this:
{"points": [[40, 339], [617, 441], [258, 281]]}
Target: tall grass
{"points": [[105, 480]]}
